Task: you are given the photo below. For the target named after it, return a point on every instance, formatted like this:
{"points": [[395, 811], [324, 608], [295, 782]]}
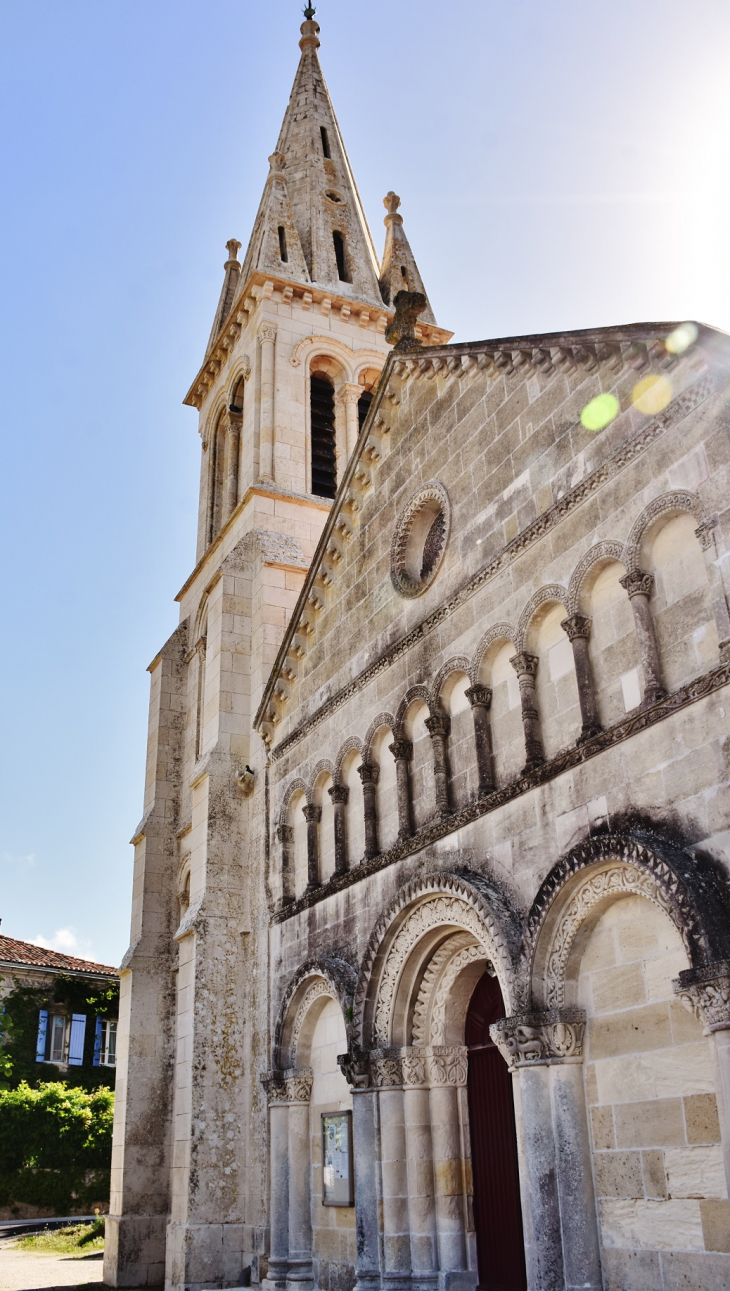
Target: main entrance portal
{"points": [[497, 1214]]}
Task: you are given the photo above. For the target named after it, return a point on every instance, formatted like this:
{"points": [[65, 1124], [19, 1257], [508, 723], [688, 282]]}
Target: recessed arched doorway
{"points": [[497, 1212]]}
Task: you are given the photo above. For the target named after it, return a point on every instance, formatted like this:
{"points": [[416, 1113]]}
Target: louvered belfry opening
{"points": [[363, 407], [324, 462]]}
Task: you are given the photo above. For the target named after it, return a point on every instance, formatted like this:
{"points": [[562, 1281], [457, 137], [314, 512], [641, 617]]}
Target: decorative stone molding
{"points": [[385, 1072], [338, 979], [637, 583], [415, 1068], [669, 503], [691, 399], [266, 332], [554, 592], [424, 1031], [618, 881], [383, 720], [577, 627], [639, 719], [459, 663], [312, 993], [339, 793], [601, 553], [524, 664], [420, 538], [705, 992], [530, 1038], [402, 750], [292, 1086], [479, 696]]}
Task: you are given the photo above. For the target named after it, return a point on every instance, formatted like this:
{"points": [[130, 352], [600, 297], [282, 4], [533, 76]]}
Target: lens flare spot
{"points": [[652, 394], [600, 412], [681, 338]]}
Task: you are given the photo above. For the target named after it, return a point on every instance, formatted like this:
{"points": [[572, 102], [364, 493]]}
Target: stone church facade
{"points": [[429, 979]]}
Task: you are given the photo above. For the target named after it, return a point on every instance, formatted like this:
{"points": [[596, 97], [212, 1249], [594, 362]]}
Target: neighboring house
{"points": [[67, 1034]]}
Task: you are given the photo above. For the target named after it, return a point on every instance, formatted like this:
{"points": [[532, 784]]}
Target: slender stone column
{"points": [[706, 993], [705, 533], [312, 815], [419, 1166], [578, 629], [369, 777], [278, 1183], [438, 726], [448, 1072], [387, 1076], [299, 1274], [285, 834], [267, 341], [233, 441], [349, 395], [356, 1069], [402, 751], [639, 584], [480, 698], [525, 665], [339, 794], [545, 1050]]}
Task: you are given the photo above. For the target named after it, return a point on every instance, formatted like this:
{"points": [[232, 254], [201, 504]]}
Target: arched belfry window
{"points": [[217, 477], [363, 407], [236, 402], [324, 462]]}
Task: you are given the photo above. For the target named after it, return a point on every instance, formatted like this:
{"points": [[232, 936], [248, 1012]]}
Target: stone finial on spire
{"points": [[399, 271], [229, 290], [233, 246], [401, 333], [310, 31]]}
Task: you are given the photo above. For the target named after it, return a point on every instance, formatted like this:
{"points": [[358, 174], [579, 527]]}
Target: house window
{"points": [[108, 1056], [57, 1051]]}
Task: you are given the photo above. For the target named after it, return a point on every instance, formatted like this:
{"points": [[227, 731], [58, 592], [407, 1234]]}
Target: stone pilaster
{"points": [[369, 776], [233, 441], [402, 751], [438, 726], [290, 1259], [706, 993], [639, 586], [525, 665], [480, 698], [339, 793]]}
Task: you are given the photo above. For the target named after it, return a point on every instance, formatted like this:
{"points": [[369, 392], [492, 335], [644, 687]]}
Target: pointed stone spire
{"points": [[313, 194], [229, 291], [399, 271]]}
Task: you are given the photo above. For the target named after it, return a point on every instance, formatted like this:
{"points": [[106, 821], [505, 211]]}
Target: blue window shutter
{"points": [[76, 1040], [40, 1044], [97, 1042]]}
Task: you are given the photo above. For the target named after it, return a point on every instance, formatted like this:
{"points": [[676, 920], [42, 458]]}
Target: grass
{"points": [[75, 1239]]}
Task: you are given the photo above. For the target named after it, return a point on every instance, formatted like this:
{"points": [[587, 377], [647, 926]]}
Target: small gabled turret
{"points": [[229, 291], [399, 271], [275, 246]]}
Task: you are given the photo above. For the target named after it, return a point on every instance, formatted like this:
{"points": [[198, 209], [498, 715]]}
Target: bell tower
{"points": [[294, 354]]}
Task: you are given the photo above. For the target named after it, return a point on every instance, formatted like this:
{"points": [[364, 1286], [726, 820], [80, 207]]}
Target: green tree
{"points": [[55, 1146]]}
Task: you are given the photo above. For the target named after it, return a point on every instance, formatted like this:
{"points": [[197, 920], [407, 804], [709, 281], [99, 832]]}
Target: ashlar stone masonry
{"points": [[436, 832]]}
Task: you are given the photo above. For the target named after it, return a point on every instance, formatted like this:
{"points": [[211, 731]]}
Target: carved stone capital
{"points": [[524, 664], [355, 1067], [267, 332], [577, 626], [386, 1071], [637, 582], [705, 534], [706, 993], [339, 792], [349, 393], [402, 750], [479, 696], [438, 724], [448, 1065], [285, 834], [555, 1035], [368, 773], [292, 1086], [312, 811]]}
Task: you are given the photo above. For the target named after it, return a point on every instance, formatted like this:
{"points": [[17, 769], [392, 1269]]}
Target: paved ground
{"points": [[26, 1271]]}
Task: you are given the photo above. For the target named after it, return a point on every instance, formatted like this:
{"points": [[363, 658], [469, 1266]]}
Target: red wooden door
{"points": [[497, 1214]]}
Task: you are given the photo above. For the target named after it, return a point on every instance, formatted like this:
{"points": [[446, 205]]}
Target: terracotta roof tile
{"points": [[29, 956]]}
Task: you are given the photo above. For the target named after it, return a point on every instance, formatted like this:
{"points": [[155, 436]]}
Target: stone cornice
{"points": [[690, 399], [255, 491], [639, 720], [261, 286]]}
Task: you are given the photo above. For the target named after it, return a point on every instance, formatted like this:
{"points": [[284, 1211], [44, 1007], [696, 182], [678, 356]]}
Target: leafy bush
{"points": [[55, 1146]]}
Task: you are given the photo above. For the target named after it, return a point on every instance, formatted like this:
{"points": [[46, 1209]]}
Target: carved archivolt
{"points": [[331, 976], [381, 721], [619, 881], [459, 664], [553, 592], [313, 992], [504, 632], [296, 786], [353, 743], [429, 1014], [668, 503], [600, 553], [445, 901]]}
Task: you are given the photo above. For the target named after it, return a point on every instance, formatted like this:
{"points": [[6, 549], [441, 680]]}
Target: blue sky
{"points": [[560, 165]]}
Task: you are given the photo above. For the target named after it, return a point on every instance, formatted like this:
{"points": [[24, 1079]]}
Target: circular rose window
{"points": [[420, 538]]}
